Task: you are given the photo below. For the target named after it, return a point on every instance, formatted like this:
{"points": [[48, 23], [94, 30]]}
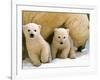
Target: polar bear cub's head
{"points": [[31, 30], [61, 35]]}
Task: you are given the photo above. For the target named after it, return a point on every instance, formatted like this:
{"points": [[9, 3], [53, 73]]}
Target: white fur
{"points": [[62, 35], [38, 48]]}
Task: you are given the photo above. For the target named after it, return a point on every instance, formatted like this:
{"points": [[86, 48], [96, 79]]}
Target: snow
{"points": [[82, 59]]}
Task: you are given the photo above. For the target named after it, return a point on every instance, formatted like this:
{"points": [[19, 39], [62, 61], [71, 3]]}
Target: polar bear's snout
{"points": [[31, 35], [61, 42]]}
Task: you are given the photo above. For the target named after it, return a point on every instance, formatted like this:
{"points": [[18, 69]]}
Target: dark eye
{"points": [[58, 36], [35, 30], [64, 37], [28, 30]]}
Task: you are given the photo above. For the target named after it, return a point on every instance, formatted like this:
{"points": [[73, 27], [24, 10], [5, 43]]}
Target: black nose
{"points": [[61, 42], [31, 35]]}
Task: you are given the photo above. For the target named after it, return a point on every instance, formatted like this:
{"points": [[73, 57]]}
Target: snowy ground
{"points": [[81, 60]]}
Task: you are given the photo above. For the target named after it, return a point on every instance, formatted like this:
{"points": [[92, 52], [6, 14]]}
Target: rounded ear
{"points": [[67, 31], [40, 26]]}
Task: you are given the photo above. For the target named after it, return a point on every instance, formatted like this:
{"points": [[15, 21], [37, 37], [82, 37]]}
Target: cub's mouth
{"points": [[31, 35]]}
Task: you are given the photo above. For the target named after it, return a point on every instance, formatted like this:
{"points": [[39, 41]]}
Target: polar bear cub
{"points": [[62, 43], [38, 48]]}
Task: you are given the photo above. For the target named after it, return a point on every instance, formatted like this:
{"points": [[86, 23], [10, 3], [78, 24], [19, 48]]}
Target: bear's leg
{"points": [[80, 48], [35, 60], [64, 53], [53, 52], [45, 54], [72, 53]]}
